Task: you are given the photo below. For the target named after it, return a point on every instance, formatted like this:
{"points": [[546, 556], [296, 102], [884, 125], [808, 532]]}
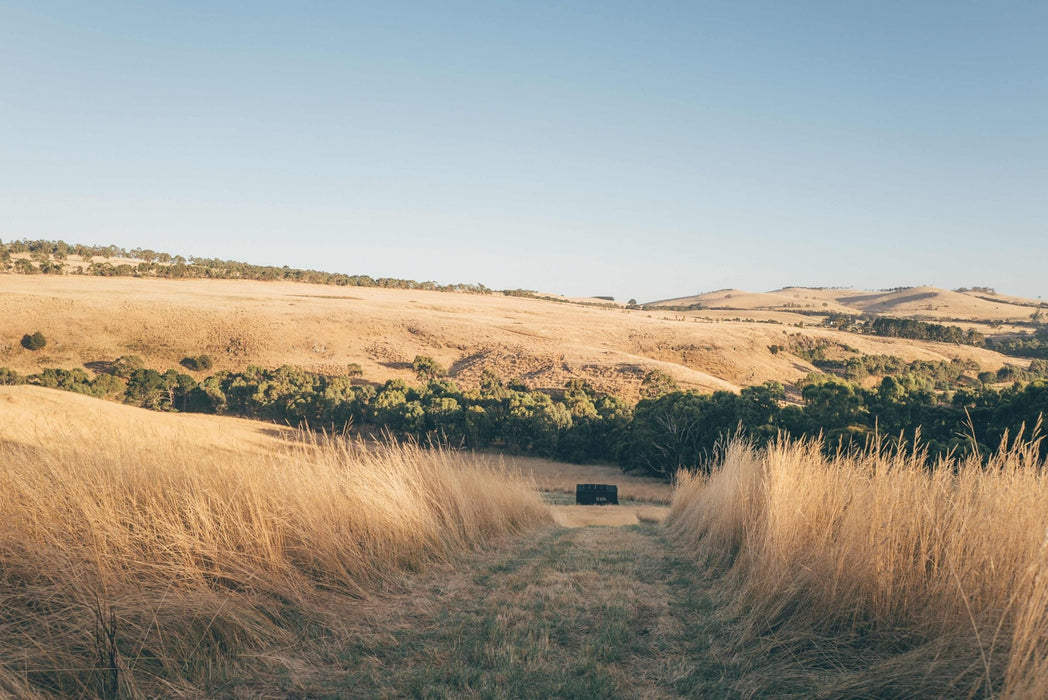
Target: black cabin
{"points": [[596, 494]]}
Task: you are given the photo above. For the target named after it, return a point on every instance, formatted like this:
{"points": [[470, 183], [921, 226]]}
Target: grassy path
{"points": [[571, 612]]}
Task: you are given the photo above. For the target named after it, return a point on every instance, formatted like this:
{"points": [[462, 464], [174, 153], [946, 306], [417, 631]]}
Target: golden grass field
{"points": [[146, 555], [324, 328], [923, 303], [872, 576]]}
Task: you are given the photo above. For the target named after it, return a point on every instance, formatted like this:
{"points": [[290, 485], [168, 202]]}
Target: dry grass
{"points": [[561, 477], [139, 564], [321, 328], [606, 516], [928, 303], [597, 612], [879, 576]]}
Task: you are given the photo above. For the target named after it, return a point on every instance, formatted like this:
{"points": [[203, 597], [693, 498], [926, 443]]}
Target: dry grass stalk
{"points": [[142, 567], [920, 581]]}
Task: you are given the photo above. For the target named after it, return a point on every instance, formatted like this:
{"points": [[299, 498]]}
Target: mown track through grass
{"points": [[572, 612]]}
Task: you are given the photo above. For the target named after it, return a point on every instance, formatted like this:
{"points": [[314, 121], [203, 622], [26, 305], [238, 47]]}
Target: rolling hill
{"points": [[921, 303], [538, 341]]}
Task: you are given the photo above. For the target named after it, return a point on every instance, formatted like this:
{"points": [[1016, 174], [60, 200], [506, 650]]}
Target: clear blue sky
{"points": [[637, 149]]}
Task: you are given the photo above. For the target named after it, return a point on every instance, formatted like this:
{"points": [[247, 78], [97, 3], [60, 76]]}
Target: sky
{"points": [[642, 150]]}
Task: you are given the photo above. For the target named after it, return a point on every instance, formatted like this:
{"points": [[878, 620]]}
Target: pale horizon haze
{"points": [[645, 150]]}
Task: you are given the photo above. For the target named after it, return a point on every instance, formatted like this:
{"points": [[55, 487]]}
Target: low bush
{"points": [[34, 341], [200, 363]]}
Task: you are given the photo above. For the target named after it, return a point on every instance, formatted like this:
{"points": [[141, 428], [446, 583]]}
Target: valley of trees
{"points": [[667, 430], [953, 406]]}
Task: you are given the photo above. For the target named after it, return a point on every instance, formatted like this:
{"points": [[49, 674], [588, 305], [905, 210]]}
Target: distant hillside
{"points": [[59, 257], [96, 304], [922, 303], [89, 320]]}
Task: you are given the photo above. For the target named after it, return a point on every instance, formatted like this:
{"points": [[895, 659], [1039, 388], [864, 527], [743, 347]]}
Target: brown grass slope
{"points": [[321, 328], [923, 303], [149, 555]]}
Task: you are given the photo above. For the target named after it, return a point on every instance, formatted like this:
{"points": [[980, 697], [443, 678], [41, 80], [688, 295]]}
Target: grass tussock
{"points": [[872, 575], [131, 570]]}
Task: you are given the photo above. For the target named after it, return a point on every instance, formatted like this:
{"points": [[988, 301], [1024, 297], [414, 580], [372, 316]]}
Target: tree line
{"points": [[49, 257], [892, 327], [1031, 344], [667, 430]]}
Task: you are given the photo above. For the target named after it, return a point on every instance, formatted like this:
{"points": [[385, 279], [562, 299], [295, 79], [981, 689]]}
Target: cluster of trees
{"points": [[667, 430], [47, 257], [938, 375], [683, 429], [891, 327], [1033, 344], [34, 341], [578, 424]]}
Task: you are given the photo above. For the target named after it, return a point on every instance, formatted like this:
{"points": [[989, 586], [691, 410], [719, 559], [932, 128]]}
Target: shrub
{"points": [[200, 363], [427, 369], [9, 377], [34, 341], [125, 365]]}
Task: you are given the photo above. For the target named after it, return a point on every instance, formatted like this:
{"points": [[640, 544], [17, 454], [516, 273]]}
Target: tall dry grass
{"points": [[135, 568], [872, 575]]}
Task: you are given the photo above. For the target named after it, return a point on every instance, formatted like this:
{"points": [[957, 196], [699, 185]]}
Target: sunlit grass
{"points": [[878, 575], [141, 563]]}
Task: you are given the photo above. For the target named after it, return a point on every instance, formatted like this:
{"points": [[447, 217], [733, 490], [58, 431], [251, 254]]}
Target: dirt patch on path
{"points": [[614, 516], [570, 612]]}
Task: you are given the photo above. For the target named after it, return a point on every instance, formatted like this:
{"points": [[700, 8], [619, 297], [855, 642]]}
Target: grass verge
{"points": [[136, 565], [871, 575]]}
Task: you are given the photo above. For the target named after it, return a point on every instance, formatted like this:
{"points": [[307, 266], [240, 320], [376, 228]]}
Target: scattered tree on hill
{"points": [[125, 365], [491, 385], [9, 377], [657, 383], [197, 364], [427, 369], [34, 341]]}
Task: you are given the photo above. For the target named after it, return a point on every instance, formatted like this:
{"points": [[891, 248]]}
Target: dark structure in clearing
{"points": [[596, 494]]}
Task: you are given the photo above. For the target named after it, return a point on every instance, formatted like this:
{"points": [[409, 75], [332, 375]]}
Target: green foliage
{"points": [[661, 434], [169, 391], [200, 363], [165, 265], [9, 377], [920, 330], [75, 380], [938, 375], [657, 383], [34, 341], [107, 385], [427, 369], [1023, 345], [491, 385], [891, 327], [125, 365], [681, 430]]}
